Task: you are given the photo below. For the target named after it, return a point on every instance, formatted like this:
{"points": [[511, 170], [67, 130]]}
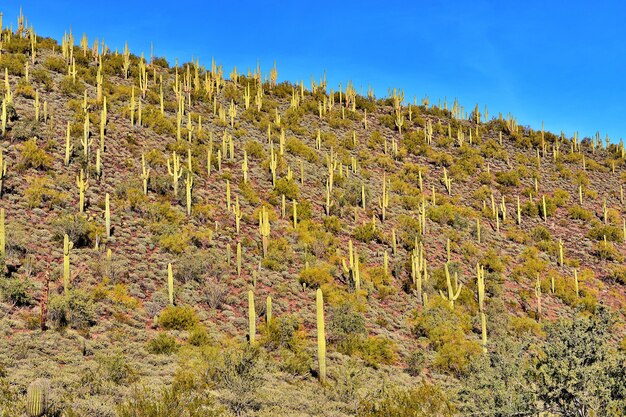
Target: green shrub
{"points": [[178, 318], [618, 274], [508, 178], [198, 336], [175, 400], [424, 400], [366, 232], [284, 332], [606, 251], [579, 213], [74, 309], [114, 368], [34, 157], [16, 290], [70, 88], [612, 233], [287, 188], [317, 275], [56, 64], [15, 63], [78, 228], [254, 150], [162, 344], [296, 147]]}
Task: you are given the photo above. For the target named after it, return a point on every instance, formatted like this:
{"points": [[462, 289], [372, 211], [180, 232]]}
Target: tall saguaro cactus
{"points": [[251, 318], [83, 185], [107, 215], [175, 170], [170, 284], [321, 336], [481, 304], [67, 247], [452, 295], [264, 228]]}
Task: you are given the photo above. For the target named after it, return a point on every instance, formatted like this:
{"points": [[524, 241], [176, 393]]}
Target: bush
{"points": [[163, 344], [70, 88], [16, 290], [176, 400], [284, 332], [34, 157], [287, 188], [56, 64], [612, 233], [425, 400], [606, 251], [366, 232], [178, 318], [74, 309], [15, 63], [508, 178], [618, 274], [78, 228], [317, 275]]}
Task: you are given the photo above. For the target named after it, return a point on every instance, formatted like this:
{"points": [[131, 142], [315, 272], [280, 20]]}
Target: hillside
{"points": [[466, 264]]}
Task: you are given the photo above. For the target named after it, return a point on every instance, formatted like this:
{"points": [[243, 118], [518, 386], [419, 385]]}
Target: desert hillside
{"points": [[193, 239]]}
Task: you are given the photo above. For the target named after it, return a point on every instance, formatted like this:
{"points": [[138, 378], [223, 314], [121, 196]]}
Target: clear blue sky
{"points": [[563, 62]]}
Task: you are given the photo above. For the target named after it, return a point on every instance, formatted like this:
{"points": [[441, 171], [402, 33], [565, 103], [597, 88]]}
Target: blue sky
{"points": [[563, 62]]}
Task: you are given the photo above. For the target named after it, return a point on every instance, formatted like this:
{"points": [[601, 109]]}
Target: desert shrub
{"points": [[42, 76], [579, 213], [24, 130], [279, 253], [78, 228], [198, 336], [287, 188], [447, 214], [74, 309], [56, 64], [612, 233], [254, 149], [618, 274], [491, 261], [606, 251], [366, 232], [316, 275], [114, 368], [424, 400], [284, 332], [162, 344], [455, 355], [298, 148], [178, 318], [14, 63], [70, 88], [192, 265], [16, 290], [508, 178], [177, 400], [24, 89], [33, 156], [416, 362], [540, 233]]}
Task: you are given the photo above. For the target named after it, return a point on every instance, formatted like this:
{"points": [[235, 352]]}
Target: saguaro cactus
{"points": [[452, 295], [188, 188], [264, 228], [251, 318], [321, 337], [481, 304], [67, 247], [145, 174], [83, 185], [175, 170], [37, 398], [268, 310], [170, 284], [107, 215]]}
